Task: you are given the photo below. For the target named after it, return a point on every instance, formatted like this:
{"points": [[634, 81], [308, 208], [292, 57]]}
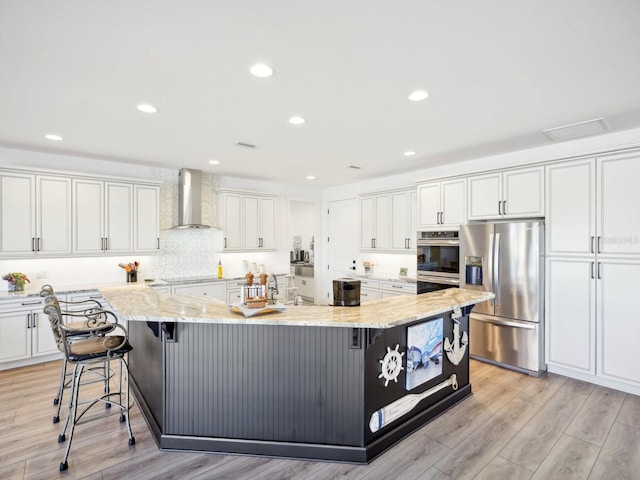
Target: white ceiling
{"points": [[498, 73]]}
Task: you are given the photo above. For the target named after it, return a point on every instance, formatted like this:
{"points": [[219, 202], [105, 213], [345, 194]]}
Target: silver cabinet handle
{"points": [[24, 304], [499, 207], [106, 243], [372, 243], [396, 286], [28, 320], [158, 242], [504, 207], [592, 270], [225, 242], [599, 272], [442, 218], [599, 244], [593, 243], [33, 244]]}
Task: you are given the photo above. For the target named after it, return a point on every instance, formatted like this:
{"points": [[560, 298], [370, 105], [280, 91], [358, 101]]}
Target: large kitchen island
{"points": [[314, 382]]}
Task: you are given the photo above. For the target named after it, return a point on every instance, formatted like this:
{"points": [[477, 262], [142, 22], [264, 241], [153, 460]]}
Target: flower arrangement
{"points": [[16, 280]]}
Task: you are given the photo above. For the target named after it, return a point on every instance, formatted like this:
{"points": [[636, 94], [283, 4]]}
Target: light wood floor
{"points": [[513, 427]]}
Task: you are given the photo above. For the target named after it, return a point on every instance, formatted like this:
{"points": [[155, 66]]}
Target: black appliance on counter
{"points": [[346, 292], [438, 261]]}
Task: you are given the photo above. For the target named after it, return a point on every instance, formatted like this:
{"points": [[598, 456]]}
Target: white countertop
{"points": [[135, 302]]}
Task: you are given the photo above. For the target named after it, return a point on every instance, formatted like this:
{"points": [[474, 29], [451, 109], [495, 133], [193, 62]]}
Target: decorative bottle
{"points": [[220, 269]]}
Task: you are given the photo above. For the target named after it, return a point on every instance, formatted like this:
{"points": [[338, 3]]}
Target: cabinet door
{"points": [[267, 223], [369, 294], [119, 217], [216, 290], [43, 341], [412, 218], [383, 222], [17, 214], [367, 222], [53, 197], [428, 205], [15, 336], [618, 328], [453, 201], [147, 218], [485, 193], [88, 216], [570, 314], [232, 221], [523, 193], [399, 220], [618, 205], [571, 208], [251, 225]]}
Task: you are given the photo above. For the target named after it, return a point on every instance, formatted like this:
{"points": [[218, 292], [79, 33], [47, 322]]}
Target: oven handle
{"points": [[448, 281], [430, 243]]}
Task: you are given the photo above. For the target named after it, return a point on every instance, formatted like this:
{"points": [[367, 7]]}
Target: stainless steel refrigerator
{"points": [[508, 260]]}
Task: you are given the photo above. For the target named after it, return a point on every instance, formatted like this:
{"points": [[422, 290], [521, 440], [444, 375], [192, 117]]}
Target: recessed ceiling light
{"points": [[261, 70], [51, 136], [214, 162], [296, 120], [310, 177], [418, 96], [147, 108], [409, 153]]}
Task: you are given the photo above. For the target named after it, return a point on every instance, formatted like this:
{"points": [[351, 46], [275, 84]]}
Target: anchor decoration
{"points": [[455, 349]]}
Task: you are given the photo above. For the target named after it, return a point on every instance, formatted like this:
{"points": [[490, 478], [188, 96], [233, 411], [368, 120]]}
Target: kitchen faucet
{"points": [[272, 287]]}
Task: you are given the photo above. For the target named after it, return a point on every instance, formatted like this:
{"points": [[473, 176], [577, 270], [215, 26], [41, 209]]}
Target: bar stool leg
{"points": [[58, 400], [71, 417]]}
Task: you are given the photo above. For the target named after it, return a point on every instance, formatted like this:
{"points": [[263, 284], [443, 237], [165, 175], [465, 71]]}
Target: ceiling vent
{"points": [[577, 130]]}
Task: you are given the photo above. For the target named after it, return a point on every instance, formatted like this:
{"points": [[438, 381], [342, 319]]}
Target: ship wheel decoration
{"points": [[391, 365]]}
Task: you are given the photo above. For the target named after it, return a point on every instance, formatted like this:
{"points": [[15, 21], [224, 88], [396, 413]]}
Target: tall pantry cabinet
{"points": [[593, 267]]}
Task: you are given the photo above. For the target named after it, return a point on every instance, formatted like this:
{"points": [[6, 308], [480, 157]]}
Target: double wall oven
{"points": [[438, 258]]}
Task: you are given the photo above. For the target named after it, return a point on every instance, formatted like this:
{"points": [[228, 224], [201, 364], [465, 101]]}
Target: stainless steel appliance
{"points": [[438, 261], [346, 292], [507, 259]]}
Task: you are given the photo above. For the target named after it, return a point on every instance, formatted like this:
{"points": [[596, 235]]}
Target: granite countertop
{"points": [[135, 302]]}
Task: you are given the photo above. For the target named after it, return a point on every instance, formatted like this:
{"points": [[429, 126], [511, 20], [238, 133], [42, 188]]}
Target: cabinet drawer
{"points": [[368, 295], [399, 287], [368, 283], [213, 290], [25, 303]]}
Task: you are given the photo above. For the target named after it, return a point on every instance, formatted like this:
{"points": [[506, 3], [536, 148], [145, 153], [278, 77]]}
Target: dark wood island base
{"points": [[308, 392]]}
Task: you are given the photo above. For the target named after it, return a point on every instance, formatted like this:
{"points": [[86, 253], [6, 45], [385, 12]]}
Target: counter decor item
{"points": [[255, 296], [15, 281], [368, 266], [132, 271]]}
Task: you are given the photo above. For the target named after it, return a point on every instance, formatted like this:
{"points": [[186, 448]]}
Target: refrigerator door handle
{"points": [[496, 267], [490, 264], [506, 323]]}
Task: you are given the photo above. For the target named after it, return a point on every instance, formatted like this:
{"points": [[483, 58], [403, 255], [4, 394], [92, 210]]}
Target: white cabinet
{"points": [[442, 204], [571, 314], [369, 290], [25, 332], [234, 291], [388, 221], [517, 193], [103, 216], [375, 222], [618, 330], [146, 218], [215, 290], [404, 223], [35, 214], [591, 207], [305, 286], [248, 221], [390, 288]]}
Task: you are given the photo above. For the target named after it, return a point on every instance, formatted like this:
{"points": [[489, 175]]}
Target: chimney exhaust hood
{"points": [[190, 199]]}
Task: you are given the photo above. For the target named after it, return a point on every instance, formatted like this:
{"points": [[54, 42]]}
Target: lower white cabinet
{"points": [[376, 289], [369, 294], [25, 331], [591, 326], [234, 291], [306, 287], [217, 290]]}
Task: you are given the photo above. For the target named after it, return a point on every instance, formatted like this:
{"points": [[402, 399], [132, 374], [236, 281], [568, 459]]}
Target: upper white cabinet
{"points": [[248, 221], [35, 214], [442, 204], [517, 193], [103, 216], [591, 207], [146, 219], [388, 221]]}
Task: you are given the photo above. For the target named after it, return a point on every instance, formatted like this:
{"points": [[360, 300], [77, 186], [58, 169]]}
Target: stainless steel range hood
{"points": [[190, 199]]}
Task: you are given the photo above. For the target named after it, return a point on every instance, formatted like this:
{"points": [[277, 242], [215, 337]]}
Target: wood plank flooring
{"points": [[514, 427]]}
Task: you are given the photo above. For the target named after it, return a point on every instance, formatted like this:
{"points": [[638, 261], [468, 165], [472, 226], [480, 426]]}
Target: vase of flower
{"points": [[15, 281]]}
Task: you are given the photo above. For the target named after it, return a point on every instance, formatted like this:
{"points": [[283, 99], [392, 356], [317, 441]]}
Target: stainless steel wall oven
{"points": [[438, 261]]}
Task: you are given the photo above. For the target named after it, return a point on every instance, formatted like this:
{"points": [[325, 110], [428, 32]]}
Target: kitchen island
{"points": [[315, 382]]}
